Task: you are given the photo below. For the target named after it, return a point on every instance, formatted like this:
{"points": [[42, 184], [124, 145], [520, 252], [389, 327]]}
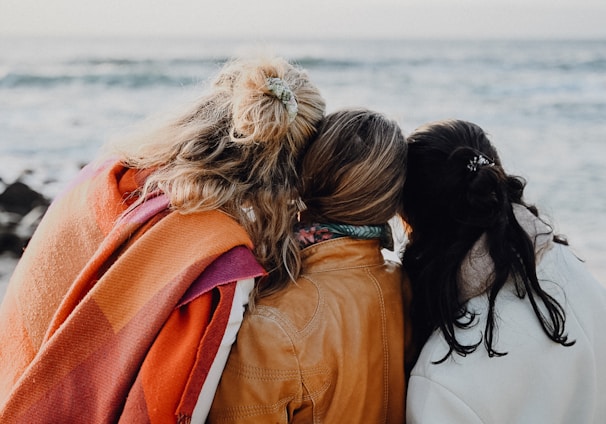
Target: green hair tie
{"points": [[282, 91]]}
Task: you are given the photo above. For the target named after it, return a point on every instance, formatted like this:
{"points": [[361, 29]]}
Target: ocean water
{"points": [[542, 102]]}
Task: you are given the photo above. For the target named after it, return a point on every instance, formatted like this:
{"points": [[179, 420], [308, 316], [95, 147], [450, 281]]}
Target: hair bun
{"points": [[264, 103], [484, 185], [487, 196]]}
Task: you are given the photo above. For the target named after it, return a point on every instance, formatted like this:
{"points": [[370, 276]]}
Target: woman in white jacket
{"points": [[509, 319]]}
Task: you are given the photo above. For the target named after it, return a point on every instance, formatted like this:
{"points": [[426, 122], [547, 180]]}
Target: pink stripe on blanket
{"points": [[152, 206], [236, 264]]}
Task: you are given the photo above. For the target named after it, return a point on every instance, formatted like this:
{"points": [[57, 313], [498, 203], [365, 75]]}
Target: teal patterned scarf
{"points": [[310, 234]]}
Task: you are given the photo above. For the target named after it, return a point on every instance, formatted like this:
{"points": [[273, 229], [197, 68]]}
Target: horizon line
{"points": [[308, 37]]}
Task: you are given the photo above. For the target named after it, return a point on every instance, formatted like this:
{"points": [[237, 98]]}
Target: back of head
{"points": [[353, 171], [457, 191], [237, 150], [452, 193], [455, 181]]}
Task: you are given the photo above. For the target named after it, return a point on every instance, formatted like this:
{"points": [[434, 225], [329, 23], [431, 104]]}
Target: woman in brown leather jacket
{"points": [[330, 347]]}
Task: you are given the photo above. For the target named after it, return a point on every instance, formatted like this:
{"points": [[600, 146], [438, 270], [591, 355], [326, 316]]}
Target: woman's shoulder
{"points": [[568, 278], [563, 270]]}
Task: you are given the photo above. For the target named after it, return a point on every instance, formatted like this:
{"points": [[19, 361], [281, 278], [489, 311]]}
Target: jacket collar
{"points": [[341, 253]]}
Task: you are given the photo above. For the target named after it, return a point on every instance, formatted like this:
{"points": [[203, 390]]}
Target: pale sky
{"points": [[308, 18]]}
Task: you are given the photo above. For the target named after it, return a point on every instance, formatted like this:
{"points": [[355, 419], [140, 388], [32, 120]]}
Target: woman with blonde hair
{"points": [[330, 347], [128, 297]]}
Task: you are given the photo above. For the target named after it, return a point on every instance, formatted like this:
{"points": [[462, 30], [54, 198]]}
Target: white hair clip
{"points": [[282, 91], [477, 162]]}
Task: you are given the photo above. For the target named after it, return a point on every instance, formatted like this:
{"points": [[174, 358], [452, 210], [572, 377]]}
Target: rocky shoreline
{"points": [[21, 208]]}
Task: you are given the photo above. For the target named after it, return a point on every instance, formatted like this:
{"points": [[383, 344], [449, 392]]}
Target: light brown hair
{"points": [[352, 172]]}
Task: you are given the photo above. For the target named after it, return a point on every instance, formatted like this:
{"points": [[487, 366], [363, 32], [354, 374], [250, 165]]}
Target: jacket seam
{"points": [[287, 326], [251, 410], [295, 373], [385, 344], [374, 265]]}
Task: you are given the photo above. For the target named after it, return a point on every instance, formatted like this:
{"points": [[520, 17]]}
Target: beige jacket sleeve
{"points": [[262, 380]]}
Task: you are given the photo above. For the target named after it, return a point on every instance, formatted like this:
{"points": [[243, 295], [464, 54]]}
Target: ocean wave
{"points": [[186, 68], [145, 62], [124, 80], [111, 72], [138, 73], [135, 73]]}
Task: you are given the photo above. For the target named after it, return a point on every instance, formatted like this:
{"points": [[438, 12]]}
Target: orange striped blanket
{"points": [[115, 311]]}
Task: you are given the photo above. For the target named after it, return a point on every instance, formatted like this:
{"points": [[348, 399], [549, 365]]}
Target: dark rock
{"points": [[21, 209], [20, 198], [11, 243]]}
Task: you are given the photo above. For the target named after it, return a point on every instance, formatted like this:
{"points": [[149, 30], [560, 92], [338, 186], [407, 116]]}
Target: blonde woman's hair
{"points": [[352, 173], [238, 151]]}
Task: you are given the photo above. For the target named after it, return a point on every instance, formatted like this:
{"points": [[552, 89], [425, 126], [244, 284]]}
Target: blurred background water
{"points": [[542, 102]]}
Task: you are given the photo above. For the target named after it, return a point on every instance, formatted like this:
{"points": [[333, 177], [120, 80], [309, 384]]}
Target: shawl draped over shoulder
{"points": [[116, 309]]}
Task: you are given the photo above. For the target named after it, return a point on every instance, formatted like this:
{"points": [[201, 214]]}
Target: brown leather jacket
{"points": [[328, 349]]}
